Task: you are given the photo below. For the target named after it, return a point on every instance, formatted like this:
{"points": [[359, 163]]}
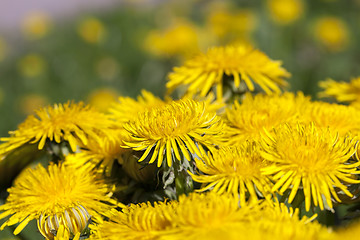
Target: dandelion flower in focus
{"points": [[241, 63], [36, 25], [234, 170], [144, 221], [74, 123], [332, 32], [178, 128], [285, 11], [32, 65], [92, 30], [309, 158], [341, 91], [247, 120], [60, 198]]}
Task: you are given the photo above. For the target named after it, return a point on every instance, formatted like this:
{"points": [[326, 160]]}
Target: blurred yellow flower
{"points": [[36, 25], [341, 91], [32, 65], [285, 11], [232, 25], [107, 68], [102, 99], [3, 49], [332, 32], [241, 65], [340, 118], [179, 39], [31, 102], [247, 120], [92, 30]]}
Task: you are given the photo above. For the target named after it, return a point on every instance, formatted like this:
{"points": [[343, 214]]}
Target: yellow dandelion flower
{"points": [[341, 91], [101, 152], [347, 232], [234, 170], [102, 99], [32, 65], [57, 196], [247, 120], [243, 63], [332, 32], [179, 39], [198, 216], [36, 25], [183, 125], [74, 123], [309, 158], [225, 23], [127, 108], [285, 11], [142, 221], [92, 30], [340, 118]]}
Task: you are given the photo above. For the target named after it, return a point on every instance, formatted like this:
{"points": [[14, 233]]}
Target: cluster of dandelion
{"points": [[234, 156]]}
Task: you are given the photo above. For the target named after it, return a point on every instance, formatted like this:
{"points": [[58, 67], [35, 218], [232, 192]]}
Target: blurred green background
{"points": [[97, 56]]}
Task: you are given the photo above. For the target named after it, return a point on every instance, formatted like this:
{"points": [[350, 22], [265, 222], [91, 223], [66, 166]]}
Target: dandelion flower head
{"points": [[243, 63], [74, 123], [234, 170], [180, 127], [56, 195], [341, 91], [309, 158], [247, 120], [143, 221]]}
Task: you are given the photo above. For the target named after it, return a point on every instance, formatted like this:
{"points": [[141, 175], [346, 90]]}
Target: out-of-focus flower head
{"points": [[36, 25], [32, 65], [62, 199], [229, 25], [342, 91], [247, 120], [31, 102], [303, 157], [180, 38], [137, 222], [285, 11], [107, 68], [229, 66], [92, 30], [332, 33], [234, 170], [340, 118], [127, 108], [102, 99]]}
